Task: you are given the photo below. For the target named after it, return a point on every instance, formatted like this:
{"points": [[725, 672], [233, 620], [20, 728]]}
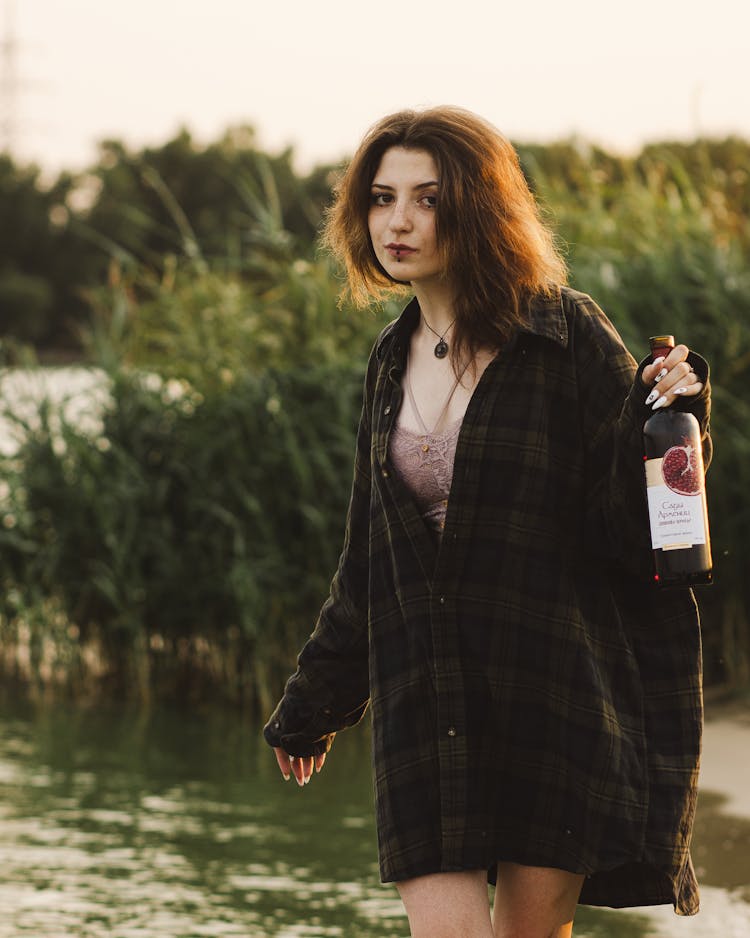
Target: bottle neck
{"points": [[661, 346], [660, 351]]}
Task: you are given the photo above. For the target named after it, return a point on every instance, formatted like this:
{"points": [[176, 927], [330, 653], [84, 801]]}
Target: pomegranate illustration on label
{"points": [[681, 470]]}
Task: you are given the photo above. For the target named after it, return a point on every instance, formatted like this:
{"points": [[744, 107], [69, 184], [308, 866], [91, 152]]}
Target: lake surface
{"points": [[80, 393], [176, 824]]}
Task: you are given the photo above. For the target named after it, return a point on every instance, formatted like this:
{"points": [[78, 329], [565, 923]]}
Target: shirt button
{"points": [[442, 600], [384, 472], [451, 730], [387, 410]]}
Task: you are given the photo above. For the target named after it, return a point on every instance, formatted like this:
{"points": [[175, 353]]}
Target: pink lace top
{"points": [[425, 463], [424, 460]]}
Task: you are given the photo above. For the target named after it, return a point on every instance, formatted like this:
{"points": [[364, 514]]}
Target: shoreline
{"points": [[722, 829], [725, 759]]}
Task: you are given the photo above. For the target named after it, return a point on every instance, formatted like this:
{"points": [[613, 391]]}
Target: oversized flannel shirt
{"points": [[534, 697]]}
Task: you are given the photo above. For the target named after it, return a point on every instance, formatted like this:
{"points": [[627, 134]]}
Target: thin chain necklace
{"points": [[410, 391], [441, 349]]}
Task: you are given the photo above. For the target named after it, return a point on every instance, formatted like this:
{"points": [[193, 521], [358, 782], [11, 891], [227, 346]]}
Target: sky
{"points": [[316, 75]]}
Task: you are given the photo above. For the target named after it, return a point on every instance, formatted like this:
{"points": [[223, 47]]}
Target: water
{"points": [[174, 825], [177, 825], [80, 393]]}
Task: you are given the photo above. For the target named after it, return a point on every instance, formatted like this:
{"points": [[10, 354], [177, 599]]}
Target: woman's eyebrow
{"points": [[421, 185]]}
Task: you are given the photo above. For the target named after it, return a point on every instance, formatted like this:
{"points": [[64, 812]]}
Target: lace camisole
{"points": [[424, 460]]}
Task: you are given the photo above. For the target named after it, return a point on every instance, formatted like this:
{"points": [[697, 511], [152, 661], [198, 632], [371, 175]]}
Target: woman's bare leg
{"points": [[535, 901], [448, 905]]}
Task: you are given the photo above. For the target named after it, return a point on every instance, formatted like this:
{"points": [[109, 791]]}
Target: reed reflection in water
{"points": [[177, 825]]}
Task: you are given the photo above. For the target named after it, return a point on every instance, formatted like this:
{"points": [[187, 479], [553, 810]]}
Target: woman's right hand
{"points": [[301, 767]]}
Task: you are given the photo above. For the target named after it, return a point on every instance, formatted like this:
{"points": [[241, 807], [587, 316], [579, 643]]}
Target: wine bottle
{"points": [[675, 487]]}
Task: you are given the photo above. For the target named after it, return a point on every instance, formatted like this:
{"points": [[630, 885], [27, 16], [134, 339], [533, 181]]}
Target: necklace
{"points": [[425, 431], [441, 349]]}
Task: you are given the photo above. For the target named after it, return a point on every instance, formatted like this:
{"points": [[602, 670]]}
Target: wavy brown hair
{"points": [[496, 249]]}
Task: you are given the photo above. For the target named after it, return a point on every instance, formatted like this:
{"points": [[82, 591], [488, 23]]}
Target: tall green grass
{"points": [[185, 550], [189, 542], [663, 251]]}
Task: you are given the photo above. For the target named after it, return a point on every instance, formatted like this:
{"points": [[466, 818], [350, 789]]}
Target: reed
{"points": [[663, 250], [184, 548]]}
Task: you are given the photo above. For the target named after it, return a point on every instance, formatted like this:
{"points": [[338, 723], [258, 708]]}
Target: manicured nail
{"points": [[660, 403], [661, 374], [307, 779], [658, 361], [679, 391], [652, 396]]}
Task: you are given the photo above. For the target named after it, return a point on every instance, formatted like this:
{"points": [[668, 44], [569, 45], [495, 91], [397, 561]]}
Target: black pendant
{"points": [[441, 349]]}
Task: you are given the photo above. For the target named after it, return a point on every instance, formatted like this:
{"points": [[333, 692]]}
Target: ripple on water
{"points": [[114, 842], [81, 394]]}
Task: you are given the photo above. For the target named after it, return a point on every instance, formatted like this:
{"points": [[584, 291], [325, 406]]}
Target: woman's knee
{"points": [[535, 902], [447, 905]]}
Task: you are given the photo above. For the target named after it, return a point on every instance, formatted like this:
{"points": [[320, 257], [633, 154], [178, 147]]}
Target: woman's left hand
{"points": [[301, 767], [670, 378]]}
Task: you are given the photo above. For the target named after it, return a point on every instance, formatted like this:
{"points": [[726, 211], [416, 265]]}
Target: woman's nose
{"points": [[400, 217]]}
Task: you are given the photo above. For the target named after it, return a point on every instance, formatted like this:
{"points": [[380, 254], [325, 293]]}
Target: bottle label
{"points": [[675, 500]]}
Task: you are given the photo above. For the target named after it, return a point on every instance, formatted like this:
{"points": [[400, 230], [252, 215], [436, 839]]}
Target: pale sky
{"points": [[316, 73]]}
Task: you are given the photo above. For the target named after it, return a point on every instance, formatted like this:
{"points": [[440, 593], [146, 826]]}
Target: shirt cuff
{"points": [[304, 726], [696, 403]]}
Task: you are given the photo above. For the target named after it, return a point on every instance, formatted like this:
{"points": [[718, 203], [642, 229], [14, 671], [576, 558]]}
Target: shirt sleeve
{"points": [[330, 688], [613, 411]]}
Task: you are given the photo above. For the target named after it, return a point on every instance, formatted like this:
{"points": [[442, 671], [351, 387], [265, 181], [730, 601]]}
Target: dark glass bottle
{"points": [[675, 486]]}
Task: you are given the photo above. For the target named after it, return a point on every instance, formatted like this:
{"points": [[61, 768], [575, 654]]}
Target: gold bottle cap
{"points": [[661, 341]]}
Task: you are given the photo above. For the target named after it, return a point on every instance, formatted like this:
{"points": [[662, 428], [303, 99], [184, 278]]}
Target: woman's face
{"points": [[401, 220]]}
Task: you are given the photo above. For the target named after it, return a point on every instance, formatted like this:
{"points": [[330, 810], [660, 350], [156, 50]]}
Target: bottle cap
{"points": [[661, 345]]}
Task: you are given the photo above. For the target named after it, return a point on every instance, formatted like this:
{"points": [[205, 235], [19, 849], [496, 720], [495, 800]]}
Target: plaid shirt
{"points": [[535, 698]]}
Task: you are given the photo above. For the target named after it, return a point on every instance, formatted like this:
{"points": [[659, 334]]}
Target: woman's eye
{"points": [[380, 198], [429, 201]]}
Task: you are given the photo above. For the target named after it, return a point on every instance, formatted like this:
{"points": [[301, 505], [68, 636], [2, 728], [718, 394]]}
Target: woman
{"points": [[536, 702]]}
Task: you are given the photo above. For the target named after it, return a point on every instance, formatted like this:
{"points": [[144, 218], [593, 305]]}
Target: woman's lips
{"points": [[399, 250]]}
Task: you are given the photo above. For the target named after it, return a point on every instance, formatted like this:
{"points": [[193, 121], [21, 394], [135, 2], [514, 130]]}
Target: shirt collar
{"points": [[547, 318], [399, 330]]}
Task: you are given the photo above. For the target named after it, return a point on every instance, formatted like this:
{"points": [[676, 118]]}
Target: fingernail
{"points": [[307, 780], [679, 390], [652, 396], [658, 361], [286, 778], [660, 375], [300, 782], [660, 403]]}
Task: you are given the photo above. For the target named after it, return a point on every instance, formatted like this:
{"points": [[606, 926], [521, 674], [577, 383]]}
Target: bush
{"points": [[190, 544], [196, 534], [660, 256], [25, 305]]}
